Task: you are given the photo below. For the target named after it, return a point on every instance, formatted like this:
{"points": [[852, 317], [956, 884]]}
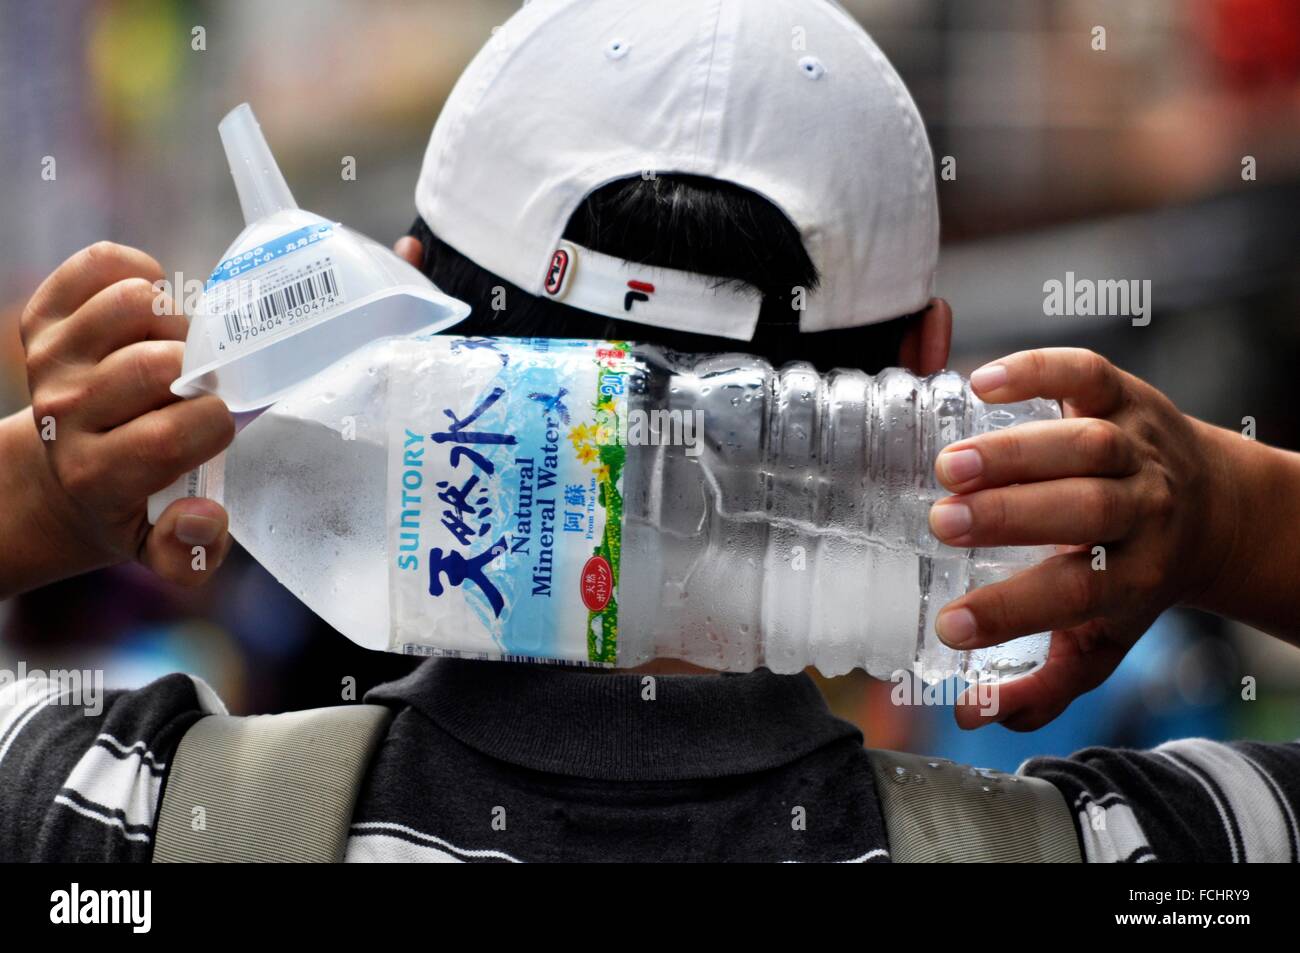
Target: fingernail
{"points": [[197, 530], [955, 627], [989, 377], [949, 520], [958, 466]]}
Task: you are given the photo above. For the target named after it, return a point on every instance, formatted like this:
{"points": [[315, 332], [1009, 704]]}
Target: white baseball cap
{"points": [[790, 99]]}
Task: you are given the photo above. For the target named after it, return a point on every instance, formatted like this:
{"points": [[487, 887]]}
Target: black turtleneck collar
{"points": [[603, 726]]}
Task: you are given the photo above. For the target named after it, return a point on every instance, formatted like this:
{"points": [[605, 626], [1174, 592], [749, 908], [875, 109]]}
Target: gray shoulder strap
{"points": [[937, 811], [267, 787]]}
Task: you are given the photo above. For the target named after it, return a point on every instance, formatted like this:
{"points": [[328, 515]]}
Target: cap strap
{"points": [[664, 297]]}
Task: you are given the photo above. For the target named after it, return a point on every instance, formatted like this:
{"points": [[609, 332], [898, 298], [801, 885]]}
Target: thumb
{"points": [[189, 542]]}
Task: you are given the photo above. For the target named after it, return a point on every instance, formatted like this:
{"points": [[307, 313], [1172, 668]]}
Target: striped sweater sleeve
{"points": [[1191, 800], [82, 782]]}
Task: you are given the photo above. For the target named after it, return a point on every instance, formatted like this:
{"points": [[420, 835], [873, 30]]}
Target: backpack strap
{"points": [[271, 787], [938, 811]]}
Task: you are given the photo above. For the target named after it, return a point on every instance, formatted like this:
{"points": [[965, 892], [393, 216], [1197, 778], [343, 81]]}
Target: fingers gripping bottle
{"points": [[597, 503]]}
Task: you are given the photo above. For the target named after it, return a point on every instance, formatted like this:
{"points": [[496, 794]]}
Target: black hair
{"points": [[687, 223]]}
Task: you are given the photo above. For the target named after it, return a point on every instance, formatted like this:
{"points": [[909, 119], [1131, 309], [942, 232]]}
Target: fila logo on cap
{"points": [[641, 291], [592, 281], [564, 262]]}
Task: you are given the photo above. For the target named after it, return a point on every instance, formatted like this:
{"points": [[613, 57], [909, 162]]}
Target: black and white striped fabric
{"points": [[492, 763], [1188, 800], [78, 786]]}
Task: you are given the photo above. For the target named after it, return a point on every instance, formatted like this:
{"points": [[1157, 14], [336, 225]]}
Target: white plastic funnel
{"points": [[294, 292]]}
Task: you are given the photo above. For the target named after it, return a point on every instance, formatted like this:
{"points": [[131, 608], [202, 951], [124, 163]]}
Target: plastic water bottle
{"points": [[801, 535], [600, 503]]}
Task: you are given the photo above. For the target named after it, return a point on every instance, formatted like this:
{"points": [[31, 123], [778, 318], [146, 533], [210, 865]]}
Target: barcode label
{"points": [[249, 310]]}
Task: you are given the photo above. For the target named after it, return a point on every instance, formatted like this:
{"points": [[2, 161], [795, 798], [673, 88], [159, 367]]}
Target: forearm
{"points": [[38, 541], [1256, 540]]}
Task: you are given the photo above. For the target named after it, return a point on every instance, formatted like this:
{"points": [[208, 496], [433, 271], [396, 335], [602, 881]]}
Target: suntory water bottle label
{"points": [[505, 479]]}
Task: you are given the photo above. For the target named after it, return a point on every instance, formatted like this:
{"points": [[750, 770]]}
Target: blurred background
{"points": [[1172, 155]]}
